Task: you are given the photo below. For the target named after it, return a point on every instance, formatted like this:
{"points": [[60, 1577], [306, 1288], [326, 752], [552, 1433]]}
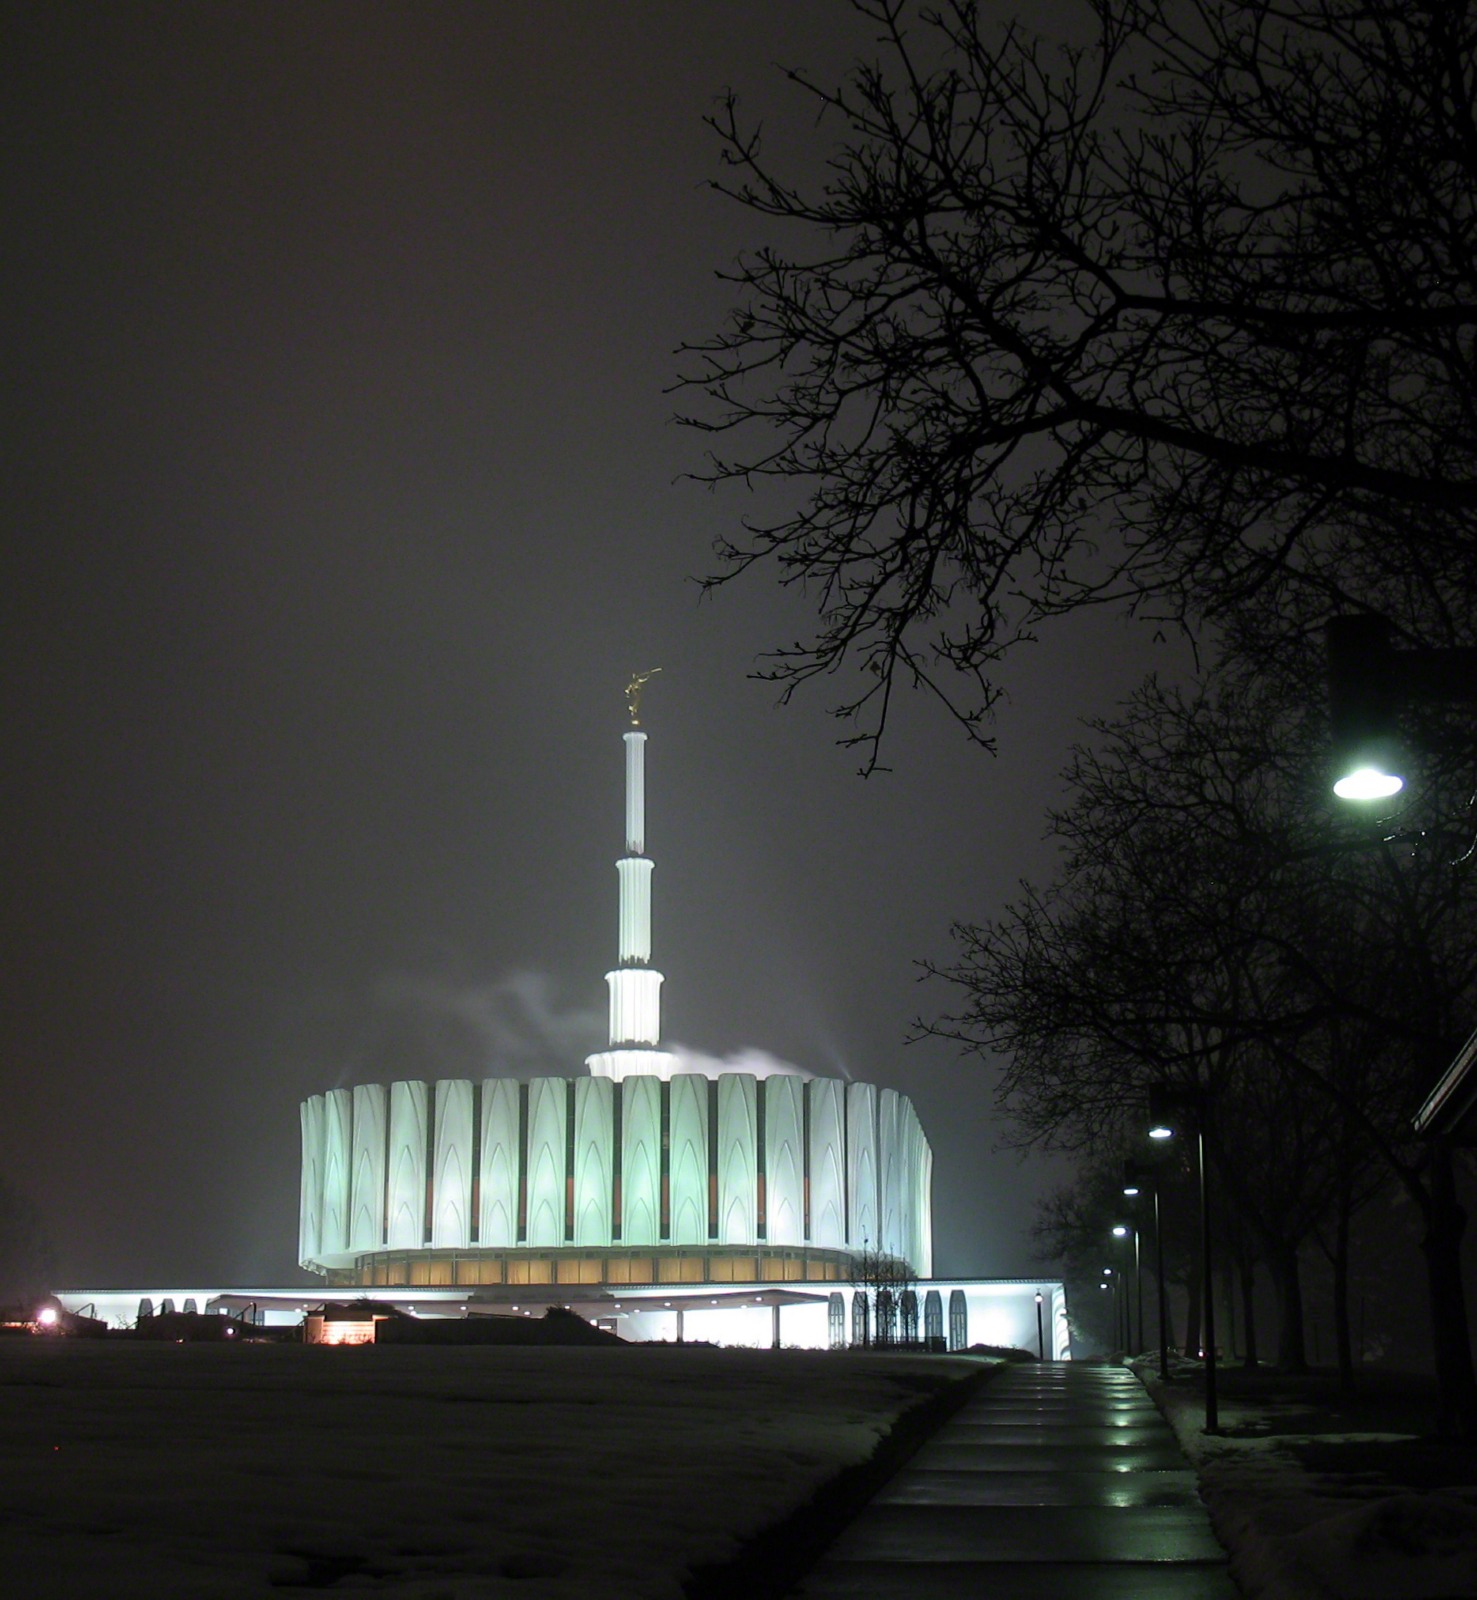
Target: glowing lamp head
{"points": [[1368, 783], [1161, 1130], [1365, 696], [1119, 1231], [46, 1316], [1130, 1189]]}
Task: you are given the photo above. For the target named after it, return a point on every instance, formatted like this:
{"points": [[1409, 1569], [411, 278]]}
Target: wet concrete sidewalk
{"points": [[1054, 1481]]}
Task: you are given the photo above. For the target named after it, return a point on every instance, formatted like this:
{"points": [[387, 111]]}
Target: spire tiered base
{"points": [[633, 1062]]}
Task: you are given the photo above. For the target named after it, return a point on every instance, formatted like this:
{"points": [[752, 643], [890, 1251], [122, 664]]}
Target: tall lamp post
{"points": [[1166, 1104], [1040, 1330], [1114, 1283], [1135, 1176], [1124, 1230], [1107, 1284]]}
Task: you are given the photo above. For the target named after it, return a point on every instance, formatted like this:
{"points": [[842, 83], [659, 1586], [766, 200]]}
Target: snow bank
{"points": [[155, 1471], [1297, 1535], [1404, 1547]]}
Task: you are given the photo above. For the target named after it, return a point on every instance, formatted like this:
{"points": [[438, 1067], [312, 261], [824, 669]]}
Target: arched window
{"points": [[836, 1321], [908, 1312], [958, 1320], [860, 1320], [933, 1316]]}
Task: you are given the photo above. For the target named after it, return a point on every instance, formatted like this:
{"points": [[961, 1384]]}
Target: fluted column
{"points": [[635, 988], [635, 985], [635, 792]]}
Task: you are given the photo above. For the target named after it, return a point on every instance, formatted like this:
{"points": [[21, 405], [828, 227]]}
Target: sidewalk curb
{"points": [[771, 1563]]}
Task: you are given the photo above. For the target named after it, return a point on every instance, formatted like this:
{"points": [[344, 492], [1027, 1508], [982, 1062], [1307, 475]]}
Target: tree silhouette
{"points": [[1215, 925], [1177, 317]]}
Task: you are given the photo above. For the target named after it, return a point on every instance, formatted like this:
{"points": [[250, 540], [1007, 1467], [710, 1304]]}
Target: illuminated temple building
{"points": [[660, 1203], [636, 1173]]}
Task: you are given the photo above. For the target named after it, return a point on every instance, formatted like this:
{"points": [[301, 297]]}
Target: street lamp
{"points": [[1040, 1330], [1369, 683], [1166, 1102], [1115, 1283], [1107, 1284], [1122, 1230], [1135, 1175]]}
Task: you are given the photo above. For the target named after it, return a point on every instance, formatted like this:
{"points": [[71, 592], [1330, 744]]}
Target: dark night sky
{"points": [[342, 500]]}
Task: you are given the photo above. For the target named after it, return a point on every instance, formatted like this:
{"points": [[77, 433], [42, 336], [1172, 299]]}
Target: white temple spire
{"points": [[635, 986]]}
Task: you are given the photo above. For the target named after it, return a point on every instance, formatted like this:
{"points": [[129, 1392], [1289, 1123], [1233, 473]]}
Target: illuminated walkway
{"points": [[1054, 1481]]}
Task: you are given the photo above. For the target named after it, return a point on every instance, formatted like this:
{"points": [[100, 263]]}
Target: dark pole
{"points": [[1138, 1291], [1127, 1300], [1040, 1330], [1159, 1274], [1212, 1412]]}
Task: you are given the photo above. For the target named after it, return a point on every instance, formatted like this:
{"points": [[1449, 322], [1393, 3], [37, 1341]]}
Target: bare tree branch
{"points": [[1182, 316]]}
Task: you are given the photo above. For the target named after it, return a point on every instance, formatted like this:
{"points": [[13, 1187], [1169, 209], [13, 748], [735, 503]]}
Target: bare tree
{"points": [[1072, 1226], [1176, 317], [890, 1286], [1214, 924]]}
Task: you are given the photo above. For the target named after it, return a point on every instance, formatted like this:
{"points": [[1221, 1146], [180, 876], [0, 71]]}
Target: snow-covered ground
{"points": [[1298, 1534], [161, 1471]]}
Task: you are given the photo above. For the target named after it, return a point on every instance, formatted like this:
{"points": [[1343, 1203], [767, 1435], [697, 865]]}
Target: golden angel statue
{"points": [[633, 694]]}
